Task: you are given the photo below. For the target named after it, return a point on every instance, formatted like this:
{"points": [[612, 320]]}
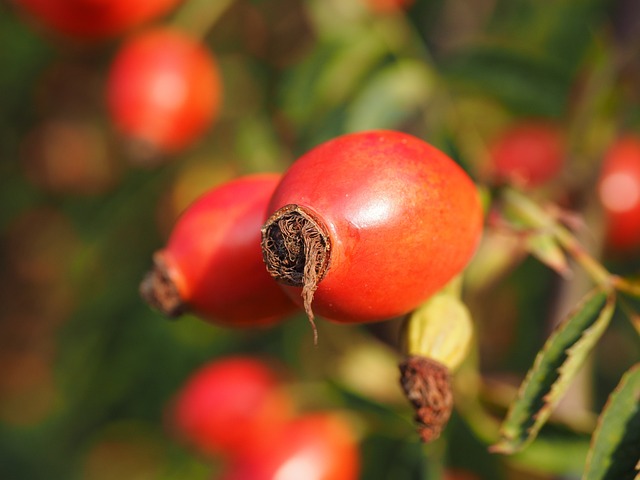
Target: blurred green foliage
{"points": [[87, 370]]}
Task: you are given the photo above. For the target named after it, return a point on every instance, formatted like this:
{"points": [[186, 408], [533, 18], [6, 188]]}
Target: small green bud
{"points": [[441, 330]]}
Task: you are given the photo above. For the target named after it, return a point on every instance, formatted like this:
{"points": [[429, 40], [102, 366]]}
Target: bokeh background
{"points": [[87, 370]]}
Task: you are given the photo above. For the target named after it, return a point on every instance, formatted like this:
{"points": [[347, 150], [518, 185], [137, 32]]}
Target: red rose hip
{"points": [[230, 406], [95, 19], [368, 225], [530, 153], [619, 194], [163, 90], [212, 264], [316, 446]]}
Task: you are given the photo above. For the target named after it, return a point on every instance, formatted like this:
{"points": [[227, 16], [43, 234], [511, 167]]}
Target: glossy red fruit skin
{"points": [[530, 153], [230, 406], [95, 19], [214, 259], [316, 446], [402, 217], [163, 90], [619, 194]]}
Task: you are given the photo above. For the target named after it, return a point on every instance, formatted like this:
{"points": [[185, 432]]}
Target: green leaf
{"points": [[551, 455], [528, 82], [545, 248], [554, 368], [392, 95], [615, 449], [329, 75]]}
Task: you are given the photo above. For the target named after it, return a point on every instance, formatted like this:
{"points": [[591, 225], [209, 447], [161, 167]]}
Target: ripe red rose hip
{"points": [[317, 446], [212, 264], [95, 19], [530, 153], [619, 193], [163, 90], [369, 225], [230, 406]]}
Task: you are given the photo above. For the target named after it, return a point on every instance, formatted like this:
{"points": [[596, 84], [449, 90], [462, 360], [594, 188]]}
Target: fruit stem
{"points": [[626, 286], [454, 287]]}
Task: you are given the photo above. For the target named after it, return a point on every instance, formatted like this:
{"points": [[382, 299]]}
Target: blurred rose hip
{"points": [[316, 446], [163, 91], [70, 156], [530, 153], [212, 264], [230, 406], [619, 193], [94, 19], [388, 6]]}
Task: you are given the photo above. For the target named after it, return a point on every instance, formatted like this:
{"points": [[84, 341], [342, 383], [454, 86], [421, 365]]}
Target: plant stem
{"points": [[535, 216], [624, 285]]}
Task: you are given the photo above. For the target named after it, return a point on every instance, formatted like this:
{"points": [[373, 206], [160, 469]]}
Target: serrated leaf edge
{"points": [[508, 444], [634, 369]]}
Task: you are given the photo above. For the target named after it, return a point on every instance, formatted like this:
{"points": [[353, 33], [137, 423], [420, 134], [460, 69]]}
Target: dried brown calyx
{"points": [[159, 291], [296, 250], [427, 385]]}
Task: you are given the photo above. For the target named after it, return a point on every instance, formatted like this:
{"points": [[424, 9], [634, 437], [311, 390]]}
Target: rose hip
{"points": [[316, 446], [163, 90], [619, 193], [212, 264], [95, 19], [368, 225], [529, 153], [230, 406]]}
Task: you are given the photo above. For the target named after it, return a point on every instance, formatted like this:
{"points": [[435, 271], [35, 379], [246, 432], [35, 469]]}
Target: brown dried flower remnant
{"points": [[426, 384], [159, 291], [296, 252]]}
